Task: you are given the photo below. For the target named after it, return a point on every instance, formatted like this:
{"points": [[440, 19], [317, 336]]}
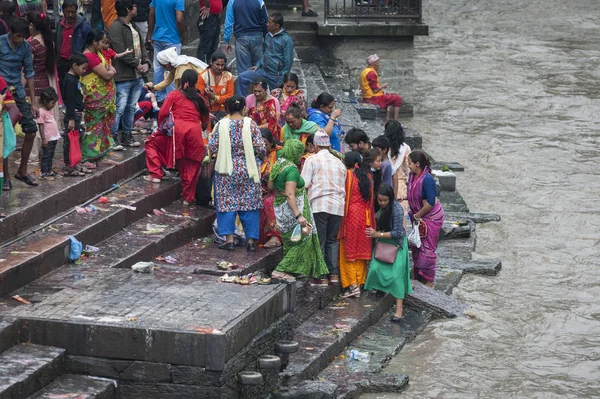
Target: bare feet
{"points": [[272, 243]]}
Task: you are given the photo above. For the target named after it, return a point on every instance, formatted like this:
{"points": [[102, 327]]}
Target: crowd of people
{"points": [[252, 148]]}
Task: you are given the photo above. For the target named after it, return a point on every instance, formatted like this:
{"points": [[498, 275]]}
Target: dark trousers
{"points": [[328, 227], [204, 186], [62, 68], [210, 29], [28, 124], [66, 144], [48, 156]]}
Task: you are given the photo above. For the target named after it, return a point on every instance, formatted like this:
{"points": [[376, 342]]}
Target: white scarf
{"points": [[224, 163], [402, 151], [170, 56]]}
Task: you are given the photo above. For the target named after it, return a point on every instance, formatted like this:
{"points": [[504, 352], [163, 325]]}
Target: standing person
{"points": [[215, 83], [292, 208], [74, 108], [141, 19], [358, 140], [5, 98], [322, 111], [355, 247], [269, 233], [190, 116], [176, 65], [392, 278], [425, 208], [26, 6], [289, 94], [263, 108], [15, 56], [42, 48], [382, 144], [248, 21], [130, 69], [239, 146], [99, 100], [296, 127], [109, 14], [276, 60], [398, 156], [49, 132], [7, 13], [166, 29], [209, 27], [71, 34], [324, 177], [372, 89], [374, 156]]}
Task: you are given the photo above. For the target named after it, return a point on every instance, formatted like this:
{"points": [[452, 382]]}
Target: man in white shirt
{"points": [[325, 179]]}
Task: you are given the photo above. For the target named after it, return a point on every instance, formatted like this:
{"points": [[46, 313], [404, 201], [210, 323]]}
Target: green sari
{"points": [[303, 257]]}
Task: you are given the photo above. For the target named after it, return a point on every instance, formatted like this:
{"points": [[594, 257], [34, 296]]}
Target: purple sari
{"points": [[424, 258]]}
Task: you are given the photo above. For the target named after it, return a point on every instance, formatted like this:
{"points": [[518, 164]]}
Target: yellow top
{"points": [[367, 92], [176, 76]]}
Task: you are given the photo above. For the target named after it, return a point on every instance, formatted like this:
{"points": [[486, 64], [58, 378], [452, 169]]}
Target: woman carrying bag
{"points": [[389, 270]]}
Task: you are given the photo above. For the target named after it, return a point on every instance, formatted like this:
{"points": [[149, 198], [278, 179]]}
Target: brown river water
{"points": [[511, 89]]}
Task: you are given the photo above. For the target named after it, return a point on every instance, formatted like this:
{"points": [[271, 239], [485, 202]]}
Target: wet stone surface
{"points": [[77, 386]]}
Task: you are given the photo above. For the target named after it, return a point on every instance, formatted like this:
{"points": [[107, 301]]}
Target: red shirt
{"points": [[216, 6], [372, 79], [65, 45], [4, 85], [93, 61]]}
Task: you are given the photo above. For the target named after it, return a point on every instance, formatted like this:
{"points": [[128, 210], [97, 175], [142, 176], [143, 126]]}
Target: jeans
{"points": [[128, 93], [48, 156], [328, 227], [159, 71], [248, 52], [210, 29], [143, 27], [245, 79]]}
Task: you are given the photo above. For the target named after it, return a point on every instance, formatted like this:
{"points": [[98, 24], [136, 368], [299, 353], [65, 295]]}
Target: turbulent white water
{"points": [[511, 89]]}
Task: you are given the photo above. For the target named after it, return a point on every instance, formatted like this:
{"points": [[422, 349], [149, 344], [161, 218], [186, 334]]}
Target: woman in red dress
{"points": [[263, 108], [355, 246], [184, 149], [269, 233]]}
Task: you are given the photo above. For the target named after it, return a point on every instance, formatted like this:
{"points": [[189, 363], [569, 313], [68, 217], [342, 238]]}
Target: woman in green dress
{"points": [[291, 206], [392, 278]]}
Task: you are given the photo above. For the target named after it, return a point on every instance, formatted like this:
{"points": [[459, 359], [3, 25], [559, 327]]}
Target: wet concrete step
{"points": [[26, 207], [26, 368], [441, 304], [474, 216], [47, 249], [8, 333], [77, 386], [487, 267], [320, 341]]}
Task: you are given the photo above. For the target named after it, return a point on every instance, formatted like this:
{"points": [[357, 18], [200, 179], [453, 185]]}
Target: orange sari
{"points": [[355, 247]]}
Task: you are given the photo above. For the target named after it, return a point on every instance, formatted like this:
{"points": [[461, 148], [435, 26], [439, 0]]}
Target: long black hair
{"points": [[384, 217], [188, 87], [95, 35], [42, 25], [323, 99], [268, 135], [235, 104], [421, 158], [361, 170], [395, 134]]}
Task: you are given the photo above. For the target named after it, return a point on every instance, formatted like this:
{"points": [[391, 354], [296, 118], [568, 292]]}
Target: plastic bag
{"points": [[10, 139], [74, 148], [296, 234], [75, 249], [414, 238]]}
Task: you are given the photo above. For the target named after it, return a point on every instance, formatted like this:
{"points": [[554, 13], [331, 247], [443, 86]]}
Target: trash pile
{"points": [[248, 279]]}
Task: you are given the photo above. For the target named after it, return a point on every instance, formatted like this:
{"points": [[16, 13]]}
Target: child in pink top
{"points": [[48, 132]]}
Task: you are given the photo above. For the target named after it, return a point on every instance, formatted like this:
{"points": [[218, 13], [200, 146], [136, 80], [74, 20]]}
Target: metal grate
{"points": [[388, 10]]}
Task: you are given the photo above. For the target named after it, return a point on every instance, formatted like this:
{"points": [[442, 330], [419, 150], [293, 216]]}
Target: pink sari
{"points": [[424, 258]]}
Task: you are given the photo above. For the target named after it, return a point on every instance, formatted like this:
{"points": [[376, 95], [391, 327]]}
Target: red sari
{"points": [[268, 223], [266, 114], [355, 247]]}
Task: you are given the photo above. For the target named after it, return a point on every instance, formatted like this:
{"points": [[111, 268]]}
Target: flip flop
{"points": [[7, 186], [27, 180]]}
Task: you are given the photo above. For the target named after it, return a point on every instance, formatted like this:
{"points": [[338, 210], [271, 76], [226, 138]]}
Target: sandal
{"points": [[281, 276], [72, 172], [47, 176], [82, 168], [151, 179], [27, 180], [7, 186], [352, 292], [309, 13], [90, 165]]}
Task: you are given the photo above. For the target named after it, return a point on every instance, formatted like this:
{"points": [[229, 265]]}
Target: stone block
{"points": [[447, 180], [441, 304], [367, 111], [413, 138], [308, 390], [128, 390], [147, 372], [109, 368], [65, 386]]}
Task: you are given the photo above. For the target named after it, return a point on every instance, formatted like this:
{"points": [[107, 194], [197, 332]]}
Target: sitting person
{"points": [[372, 90], [297, 127], [289, 94], [263, 108]]}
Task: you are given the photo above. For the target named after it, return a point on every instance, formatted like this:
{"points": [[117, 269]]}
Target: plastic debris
{"points": [[131, 208], [143, 267], [158, 212], [18, 298], [133, 319], [168, 259], [91, 249], [154, 228], [224, 265], [358, 355], [103, 200]]}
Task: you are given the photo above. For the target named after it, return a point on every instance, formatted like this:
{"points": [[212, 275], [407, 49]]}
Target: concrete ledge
{"points": [[86, 387], [340, 27], [8, 333], [447, 180]]}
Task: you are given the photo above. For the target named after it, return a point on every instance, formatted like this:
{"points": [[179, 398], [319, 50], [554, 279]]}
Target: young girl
{"points": [[355, 246], [110, 54], [48, 131]]}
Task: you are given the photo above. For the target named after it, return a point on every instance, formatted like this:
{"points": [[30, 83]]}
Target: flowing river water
{"points": [[511, 89]]}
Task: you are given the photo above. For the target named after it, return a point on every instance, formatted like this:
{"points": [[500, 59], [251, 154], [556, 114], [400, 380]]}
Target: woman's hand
{"points": [[303, 222], [371, 233], [336, 113]]}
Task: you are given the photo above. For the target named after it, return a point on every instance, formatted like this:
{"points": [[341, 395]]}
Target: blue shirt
{"points": [[429, 191], [12, 61], [165, 28], [322, 119], [246, 17]]}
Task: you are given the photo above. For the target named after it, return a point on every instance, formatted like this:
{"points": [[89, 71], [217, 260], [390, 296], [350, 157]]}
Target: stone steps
{"points": [[8, 333], [27, 368], [26, 207], [77, 386], [47, 249], [319, 340]]}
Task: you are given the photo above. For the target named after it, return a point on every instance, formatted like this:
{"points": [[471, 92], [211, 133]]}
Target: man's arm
{"points": [[117, 36], [264, 17], [180, 24], [151, 24], [29, 74], [288, 55], [229, 20]]}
